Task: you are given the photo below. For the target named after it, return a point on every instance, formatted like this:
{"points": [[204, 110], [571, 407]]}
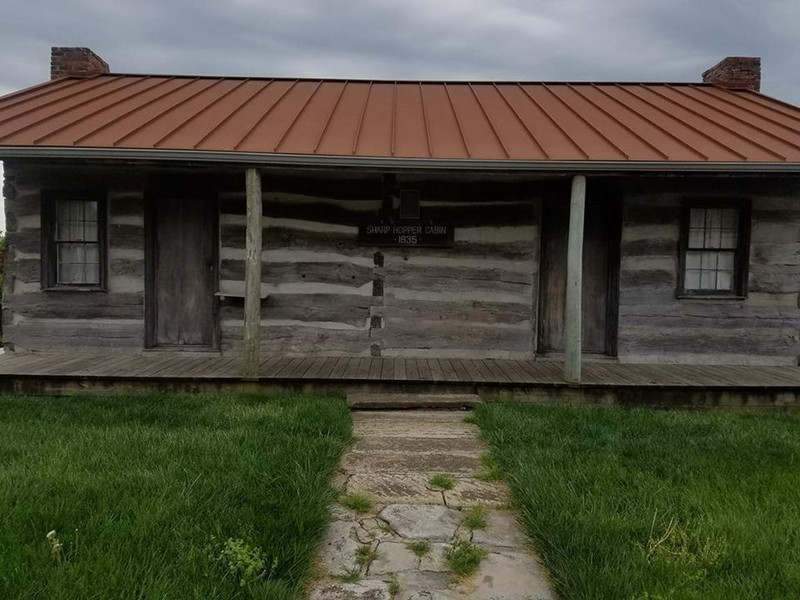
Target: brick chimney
{"points": [[75, 62], [736, 72]]}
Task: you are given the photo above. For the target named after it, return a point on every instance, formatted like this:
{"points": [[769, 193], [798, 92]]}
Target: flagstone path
{"points": [[367, 556]]}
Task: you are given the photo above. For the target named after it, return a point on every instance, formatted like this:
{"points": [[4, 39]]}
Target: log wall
{"points": [[48, 320], [325, 294], [657, 326]]}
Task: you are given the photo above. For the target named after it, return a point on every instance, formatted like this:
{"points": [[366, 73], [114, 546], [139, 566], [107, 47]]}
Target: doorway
{"points": [[600, 304], [181, 227]]}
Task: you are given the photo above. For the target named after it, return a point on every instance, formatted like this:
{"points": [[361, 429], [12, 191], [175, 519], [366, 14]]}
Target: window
{"points": [[714, 248], [73, 227]]}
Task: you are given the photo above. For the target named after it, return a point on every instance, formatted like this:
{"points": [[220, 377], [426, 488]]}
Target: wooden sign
{"points": [[412, 234]]}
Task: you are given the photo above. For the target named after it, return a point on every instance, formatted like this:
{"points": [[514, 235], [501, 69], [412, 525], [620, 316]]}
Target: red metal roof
{"points": [[538, 121]]}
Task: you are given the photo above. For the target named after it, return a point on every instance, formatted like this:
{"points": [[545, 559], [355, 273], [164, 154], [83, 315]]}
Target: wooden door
{"points": [[600, 275], [182, 278]]}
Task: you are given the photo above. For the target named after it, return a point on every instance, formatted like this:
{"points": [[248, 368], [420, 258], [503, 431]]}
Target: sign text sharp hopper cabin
{"points": [[406, 234]]}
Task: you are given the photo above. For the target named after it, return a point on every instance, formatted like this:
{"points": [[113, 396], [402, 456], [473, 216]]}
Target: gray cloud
{"points": [[448, 39]]}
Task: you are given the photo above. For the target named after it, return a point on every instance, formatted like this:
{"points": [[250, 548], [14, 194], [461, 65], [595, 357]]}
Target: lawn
{"points": [[164, 497], [647, 504]]}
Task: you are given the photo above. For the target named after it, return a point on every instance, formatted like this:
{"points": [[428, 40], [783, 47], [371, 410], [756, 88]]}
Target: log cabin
{"points": [[569, 221]]}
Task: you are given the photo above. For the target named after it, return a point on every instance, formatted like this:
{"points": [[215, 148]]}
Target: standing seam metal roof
{"points": [[523, 121]]}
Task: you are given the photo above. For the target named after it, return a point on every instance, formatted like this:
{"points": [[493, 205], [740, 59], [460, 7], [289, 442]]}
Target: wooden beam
{"points": [[572, 308], [252, 276]]}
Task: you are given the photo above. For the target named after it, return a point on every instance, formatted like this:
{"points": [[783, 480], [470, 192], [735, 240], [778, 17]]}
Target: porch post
{"points": [[572, 308], [252, 276]]}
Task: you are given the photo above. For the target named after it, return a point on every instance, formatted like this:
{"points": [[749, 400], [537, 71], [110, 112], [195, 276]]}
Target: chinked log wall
{"points": [[656, 326], [326, 294], [41, 320]]}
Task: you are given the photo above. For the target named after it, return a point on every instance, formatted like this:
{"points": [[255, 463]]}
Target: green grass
{"points": [[394, 587], [464, 558], [164, 497], [350, 576], [442, 482], [645, 504], [491, 470], [359, 503], [421, 548], [365, 555], [475, 518]]}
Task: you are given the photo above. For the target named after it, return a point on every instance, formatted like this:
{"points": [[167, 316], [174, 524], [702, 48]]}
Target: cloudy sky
{"points": [[644, 40], [501, 39]]}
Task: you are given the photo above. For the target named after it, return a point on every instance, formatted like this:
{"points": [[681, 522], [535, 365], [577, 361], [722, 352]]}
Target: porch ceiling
{"points": [[462, 123]]}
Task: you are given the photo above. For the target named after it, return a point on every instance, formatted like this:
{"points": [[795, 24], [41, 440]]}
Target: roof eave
{"points": [[394, 163]]}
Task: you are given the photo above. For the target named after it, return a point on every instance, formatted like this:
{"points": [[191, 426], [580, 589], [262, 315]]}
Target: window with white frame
{"points": [[74, 241], [714, 248]]}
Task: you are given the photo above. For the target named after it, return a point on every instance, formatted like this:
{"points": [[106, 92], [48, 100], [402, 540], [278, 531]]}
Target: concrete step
{"points": [[405, 401]]}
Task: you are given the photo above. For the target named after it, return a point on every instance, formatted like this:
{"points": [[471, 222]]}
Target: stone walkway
{"points": [[397, 548]]}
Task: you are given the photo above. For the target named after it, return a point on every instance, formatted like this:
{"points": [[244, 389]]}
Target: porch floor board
{"points": [[194, 365]]}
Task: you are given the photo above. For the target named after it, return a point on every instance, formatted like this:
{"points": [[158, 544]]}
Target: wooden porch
{"points": [[679, 385]]}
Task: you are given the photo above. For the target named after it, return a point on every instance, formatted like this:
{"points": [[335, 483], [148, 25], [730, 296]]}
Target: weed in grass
{"points": [[442, 482], [360, 503], [244, 562], [349, 576], [476, 518], [421, 548], [679, 549], [56, 548], [490, 471], [394, 587], [464, 558], [366, 554]]}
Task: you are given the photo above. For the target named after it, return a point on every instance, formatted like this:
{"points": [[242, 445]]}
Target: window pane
{"points": [[90, 210], [68, 273], [725, 280], [90, 231], [725, 261], [62, 219], [70, 253], [92, 274], [693, 260], [730, 218], [708, 260], [697, 218], [692, 281], [696, 238], [76, 210], [708, 280], [75, 231], [713, 238], [78, 263], [92, 254], [729, 238]]}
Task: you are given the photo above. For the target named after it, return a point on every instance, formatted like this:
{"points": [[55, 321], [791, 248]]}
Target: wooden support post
{"points": [[572, 308], [252, 276]]}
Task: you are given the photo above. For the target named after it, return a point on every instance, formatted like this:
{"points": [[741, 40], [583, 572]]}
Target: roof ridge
{"points": [[487, 81]]}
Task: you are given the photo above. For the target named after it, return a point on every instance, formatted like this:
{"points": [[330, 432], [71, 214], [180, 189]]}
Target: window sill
{"points": [[75, 288], [710, 297]]}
